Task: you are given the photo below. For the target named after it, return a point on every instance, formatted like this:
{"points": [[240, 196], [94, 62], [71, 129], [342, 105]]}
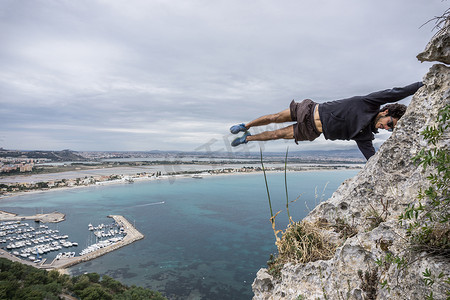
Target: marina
{"points": [[32, 243]]}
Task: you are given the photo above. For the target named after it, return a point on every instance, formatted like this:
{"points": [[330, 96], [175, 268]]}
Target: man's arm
{"points": [[394, 94], [366, 147]]}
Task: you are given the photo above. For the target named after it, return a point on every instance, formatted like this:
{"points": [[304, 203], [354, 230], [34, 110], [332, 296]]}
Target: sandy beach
{"points": [[187, 171]]}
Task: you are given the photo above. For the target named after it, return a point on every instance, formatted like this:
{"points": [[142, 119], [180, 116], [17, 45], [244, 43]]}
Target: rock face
{"points": [[438, 49], [385, 187]]}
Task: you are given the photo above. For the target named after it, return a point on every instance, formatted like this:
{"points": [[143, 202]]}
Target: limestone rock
{"points": [[386, 185], [438, 49]]}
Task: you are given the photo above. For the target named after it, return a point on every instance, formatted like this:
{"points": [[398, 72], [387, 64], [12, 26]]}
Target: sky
{"points": [[140, 75]]}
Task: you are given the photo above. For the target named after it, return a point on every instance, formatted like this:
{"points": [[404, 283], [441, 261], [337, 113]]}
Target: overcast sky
{"points": [[175, 75]]}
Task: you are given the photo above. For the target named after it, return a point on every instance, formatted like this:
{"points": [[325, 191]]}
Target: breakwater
{"points": [[53, 217], [130, 235]]}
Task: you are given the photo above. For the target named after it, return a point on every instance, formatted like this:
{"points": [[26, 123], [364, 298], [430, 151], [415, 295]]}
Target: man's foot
{"points": [[240, 140], [238, 128]]}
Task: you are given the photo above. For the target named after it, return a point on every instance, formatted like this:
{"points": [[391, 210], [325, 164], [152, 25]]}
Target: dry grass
{"points": [[436, 239], [303, 242], [345, 230]]}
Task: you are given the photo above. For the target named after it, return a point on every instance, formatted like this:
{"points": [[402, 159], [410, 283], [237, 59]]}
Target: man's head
{"points": [[389, 115]]}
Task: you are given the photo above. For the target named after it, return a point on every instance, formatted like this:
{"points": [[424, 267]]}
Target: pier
{"points": [[131, 235], [53, 217]]}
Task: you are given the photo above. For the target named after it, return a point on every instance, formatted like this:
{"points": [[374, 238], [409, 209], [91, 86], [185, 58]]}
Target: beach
{"points": [[123, 175]]}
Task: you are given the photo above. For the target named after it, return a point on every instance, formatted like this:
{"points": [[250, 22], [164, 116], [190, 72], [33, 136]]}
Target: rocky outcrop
{"points": [[438, 49], [371, 203]]}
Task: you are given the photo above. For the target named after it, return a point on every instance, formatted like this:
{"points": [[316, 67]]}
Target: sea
{"points": [[204, 238]]}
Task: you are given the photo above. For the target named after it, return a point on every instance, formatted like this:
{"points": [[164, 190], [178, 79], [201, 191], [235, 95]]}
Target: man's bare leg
{"points": [[283, 133], [281, 117]]}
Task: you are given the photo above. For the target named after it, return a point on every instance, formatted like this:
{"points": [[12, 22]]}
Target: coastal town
{"points": [[25, 171], [11, 188], [14, 165]]}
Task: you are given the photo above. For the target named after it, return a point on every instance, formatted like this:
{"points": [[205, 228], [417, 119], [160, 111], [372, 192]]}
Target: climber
{"points": [[356, 118]]}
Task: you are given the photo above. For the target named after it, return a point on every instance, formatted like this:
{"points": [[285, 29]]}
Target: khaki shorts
{"points": [[303, 113]]}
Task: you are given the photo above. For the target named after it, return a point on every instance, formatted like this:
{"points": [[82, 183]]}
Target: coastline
{"points": [[129, 178], [137, 256]]}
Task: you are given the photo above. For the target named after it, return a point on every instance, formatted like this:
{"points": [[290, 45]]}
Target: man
{"points": [[356, 118]]}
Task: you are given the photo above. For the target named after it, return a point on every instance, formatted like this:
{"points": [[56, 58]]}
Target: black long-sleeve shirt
{"points": [[352, 118]]}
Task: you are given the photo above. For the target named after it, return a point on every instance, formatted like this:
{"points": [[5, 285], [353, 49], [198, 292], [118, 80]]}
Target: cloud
{"points": [[141, 75]]}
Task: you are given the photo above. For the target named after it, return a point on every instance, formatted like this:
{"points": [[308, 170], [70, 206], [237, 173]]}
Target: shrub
{"points": [[429, 229]]}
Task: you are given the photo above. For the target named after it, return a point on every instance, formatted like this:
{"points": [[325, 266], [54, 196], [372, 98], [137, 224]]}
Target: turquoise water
{"points": [[206, 241]]}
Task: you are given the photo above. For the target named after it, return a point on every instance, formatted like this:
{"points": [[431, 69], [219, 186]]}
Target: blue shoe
{"points": [[240, 140], [238, 128]]}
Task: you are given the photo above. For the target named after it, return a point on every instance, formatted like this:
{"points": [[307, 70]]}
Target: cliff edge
{"points": [[369, 204]]}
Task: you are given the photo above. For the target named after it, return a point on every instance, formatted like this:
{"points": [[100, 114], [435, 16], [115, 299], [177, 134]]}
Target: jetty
{"points": [[131, 234], [53, 217]]}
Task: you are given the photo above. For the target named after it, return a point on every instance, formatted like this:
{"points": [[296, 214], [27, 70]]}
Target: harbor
{"points": [[30, 243], [131, 234]]}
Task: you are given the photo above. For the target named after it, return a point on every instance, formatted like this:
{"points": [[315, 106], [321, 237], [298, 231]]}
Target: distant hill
{"points": [[64, 155], [69, 155]]}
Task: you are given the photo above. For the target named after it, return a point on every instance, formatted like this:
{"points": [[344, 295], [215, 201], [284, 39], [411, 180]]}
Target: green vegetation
{"points": [[429, 230], [428, 226], [285, 184], [369, 280], [267, 188], [19, 281], [375, 218], [343, 228]]}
